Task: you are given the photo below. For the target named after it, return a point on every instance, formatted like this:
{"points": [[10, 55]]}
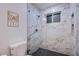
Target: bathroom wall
{"points": [[57, 36], [11, 35]]}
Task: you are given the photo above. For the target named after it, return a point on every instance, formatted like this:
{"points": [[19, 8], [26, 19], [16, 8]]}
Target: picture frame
{"points": [[12, 19]]}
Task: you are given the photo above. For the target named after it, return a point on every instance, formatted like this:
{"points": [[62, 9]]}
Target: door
{"points": [[33, 31]]}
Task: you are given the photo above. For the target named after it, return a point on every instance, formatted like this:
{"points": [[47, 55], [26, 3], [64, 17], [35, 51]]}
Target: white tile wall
{"points": [[57, 36]]}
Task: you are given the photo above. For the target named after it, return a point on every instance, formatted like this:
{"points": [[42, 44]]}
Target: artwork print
{"points": [[12, 19]]}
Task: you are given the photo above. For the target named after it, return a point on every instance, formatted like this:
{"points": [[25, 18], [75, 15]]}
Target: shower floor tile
{"points": [[45, 52]]}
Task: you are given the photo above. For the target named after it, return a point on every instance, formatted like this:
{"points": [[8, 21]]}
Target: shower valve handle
{"points": [[36, 30]]}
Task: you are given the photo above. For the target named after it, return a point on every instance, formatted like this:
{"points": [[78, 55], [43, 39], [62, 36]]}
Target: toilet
{"points": [[18, 49], [3, 55]]}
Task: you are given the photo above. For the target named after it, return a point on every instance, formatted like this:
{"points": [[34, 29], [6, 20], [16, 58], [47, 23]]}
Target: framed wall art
{"points": [[12, 19]]}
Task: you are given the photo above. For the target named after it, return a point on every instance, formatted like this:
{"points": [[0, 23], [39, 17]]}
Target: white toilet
{"points": [[18, 49], [3, 55]]}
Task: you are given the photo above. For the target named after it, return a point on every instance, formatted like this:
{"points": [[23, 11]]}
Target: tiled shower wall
{"points": [[77, 29], [57, 36]]}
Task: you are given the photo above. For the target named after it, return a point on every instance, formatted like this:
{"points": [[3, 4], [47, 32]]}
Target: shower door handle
{"points": [[36, 30]]}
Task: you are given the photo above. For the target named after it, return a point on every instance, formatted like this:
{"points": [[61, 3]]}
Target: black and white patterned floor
{"points": [[44, 52]]}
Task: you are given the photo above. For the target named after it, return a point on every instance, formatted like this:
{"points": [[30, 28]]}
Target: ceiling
{"points": [[43, 6]]}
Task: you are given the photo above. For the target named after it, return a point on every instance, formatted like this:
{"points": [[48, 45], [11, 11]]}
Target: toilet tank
{"points": [[18, 49]]}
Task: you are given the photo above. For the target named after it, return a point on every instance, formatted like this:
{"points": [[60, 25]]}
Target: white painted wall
{"points": [[11, 35], [57, 36]]}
